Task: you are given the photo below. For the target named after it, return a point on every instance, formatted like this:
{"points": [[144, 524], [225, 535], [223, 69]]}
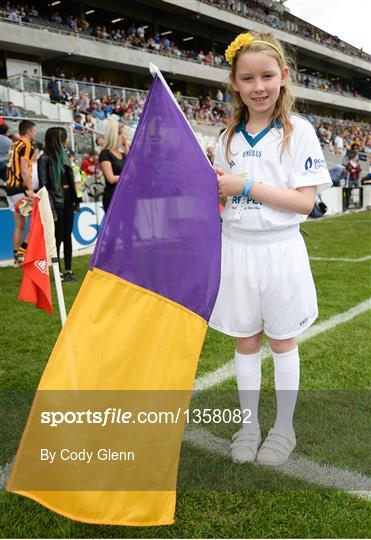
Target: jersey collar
{"points": [[254, 140]]}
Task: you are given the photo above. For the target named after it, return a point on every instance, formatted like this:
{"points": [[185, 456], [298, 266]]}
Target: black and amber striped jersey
{"points": [[21, 149]]}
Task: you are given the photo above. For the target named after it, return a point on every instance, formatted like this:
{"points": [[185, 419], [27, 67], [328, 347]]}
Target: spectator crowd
{"points": [[350, 140], [211, 109], [88, 111], [340, 136], [130, 35], [274, 16], [142, 36], [325, 85]]}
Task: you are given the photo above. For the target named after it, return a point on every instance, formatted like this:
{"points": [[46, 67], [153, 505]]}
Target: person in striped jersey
{"points": [[19, 183]]}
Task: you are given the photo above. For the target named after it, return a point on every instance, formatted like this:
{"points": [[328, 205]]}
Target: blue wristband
{"points": [[247, 187]]}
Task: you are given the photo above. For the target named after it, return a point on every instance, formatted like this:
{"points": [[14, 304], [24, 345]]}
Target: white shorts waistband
{"points": [[261, 237]]}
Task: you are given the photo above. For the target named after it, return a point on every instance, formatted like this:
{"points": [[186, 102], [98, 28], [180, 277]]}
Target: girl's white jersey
{"points": [[258, 157]]}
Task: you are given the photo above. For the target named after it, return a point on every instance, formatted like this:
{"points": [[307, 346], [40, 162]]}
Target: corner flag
{"points": [[35, 285]]}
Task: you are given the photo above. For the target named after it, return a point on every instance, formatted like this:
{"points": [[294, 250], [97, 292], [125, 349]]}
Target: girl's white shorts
{"points": [[266, 284]]}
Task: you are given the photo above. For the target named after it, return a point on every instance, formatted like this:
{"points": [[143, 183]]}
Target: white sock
{"points": [[248, 372], [286, 377]]}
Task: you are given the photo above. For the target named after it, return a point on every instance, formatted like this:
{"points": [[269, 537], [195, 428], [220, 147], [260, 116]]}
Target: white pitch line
{"points": [[4, 474], [341, 259], [227, 371], [334, 216], [298, 467]]}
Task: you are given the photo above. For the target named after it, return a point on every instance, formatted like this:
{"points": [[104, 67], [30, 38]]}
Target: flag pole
{"points": [[58, 288], [51, 250]]}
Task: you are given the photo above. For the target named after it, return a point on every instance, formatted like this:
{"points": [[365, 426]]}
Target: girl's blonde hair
{"points": [[112, 134], [286, 99]]}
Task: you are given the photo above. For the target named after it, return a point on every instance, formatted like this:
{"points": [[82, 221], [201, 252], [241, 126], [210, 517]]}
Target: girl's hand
{"points": [[230, 185]]}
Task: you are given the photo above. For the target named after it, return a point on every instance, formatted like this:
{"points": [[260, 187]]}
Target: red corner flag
{"points": [[35, 285]]}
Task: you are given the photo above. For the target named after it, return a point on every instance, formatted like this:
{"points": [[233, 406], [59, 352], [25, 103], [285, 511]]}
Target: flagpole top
{"points": [[153, 69]]}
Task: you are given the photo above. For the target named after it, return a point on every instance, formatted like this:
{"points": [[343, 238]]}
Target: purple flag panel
{"points": [[162, 230]]}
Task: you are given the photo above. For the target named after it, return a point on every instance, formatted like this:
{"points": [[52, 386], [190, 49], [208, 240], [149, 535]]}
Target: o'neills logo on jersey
{"points": [[42, 266], [252, 153]]}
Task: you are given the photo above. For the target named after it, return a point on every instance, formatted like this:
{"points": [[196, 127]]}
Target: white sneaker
{"points": [[277, 447], [244, 445]]}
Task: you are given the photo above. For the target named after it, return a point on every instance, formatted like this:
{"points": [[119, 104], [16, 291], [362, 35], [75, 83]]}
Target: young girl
{"points": [[270, 166]]}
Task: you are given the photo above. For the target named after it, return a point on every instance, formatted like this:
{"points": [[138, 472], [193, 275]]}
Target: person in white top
{"points": [[339, 144], [270, 167], [35, 175]]}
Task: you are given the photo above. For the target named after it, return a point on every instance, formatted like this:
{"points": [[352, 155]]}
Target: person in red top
{"points": [[90, 165], [354, 169]]}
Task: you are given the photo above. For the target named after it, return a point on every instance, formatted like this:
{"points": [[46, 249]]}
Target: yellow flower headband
{"points": [[241, 41]]}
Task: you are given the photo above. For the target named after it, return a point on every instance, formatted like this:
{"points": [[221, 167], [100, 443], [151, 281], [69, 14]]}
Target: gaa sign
{"points": [[86, 226]]}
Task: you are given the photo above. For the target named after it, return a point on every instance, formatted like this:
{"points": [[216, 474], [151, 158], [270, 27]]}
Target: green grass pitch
{"points": [[332, 418]]}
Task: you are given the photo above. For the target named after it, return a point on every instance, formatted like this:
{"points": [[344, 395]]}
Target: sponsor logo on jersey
{"points": [[237, 199], [320, 164], [313, 165], [252, 153], [309, 163]]}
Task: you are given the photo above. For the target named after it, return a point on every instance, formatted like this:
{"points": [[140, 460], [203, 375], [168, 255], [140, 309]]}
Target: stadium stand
{"points": [[274, 16], [336, 100], [346, 88], [136, 35]]}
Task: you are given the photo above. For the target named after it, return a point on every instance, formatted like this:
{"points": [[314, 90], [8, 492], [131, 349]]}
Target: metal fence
{"points": [[39, 85], [41, 126]]}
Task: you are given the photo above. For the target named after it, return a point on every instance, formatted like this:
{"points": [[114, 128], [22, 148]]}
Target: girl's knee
{"points": [[250, 345], [280, 346]]}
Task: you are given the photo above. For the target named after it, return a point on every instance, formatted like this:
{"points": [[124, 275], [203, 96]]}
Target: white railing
{"points": [[33, 84], [35, 102], [97, 90], [42, 124]]}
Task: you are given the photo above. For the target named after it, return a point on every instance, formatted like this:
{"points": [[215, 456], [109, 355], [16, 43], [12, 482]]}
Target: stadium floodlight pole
{"points": [[47, 221]]}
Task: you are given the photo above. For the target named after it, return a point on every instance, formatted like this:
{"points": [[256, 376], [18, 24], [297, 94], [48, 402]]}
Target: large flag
{"points": [[35, 286], [131, 342]]}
